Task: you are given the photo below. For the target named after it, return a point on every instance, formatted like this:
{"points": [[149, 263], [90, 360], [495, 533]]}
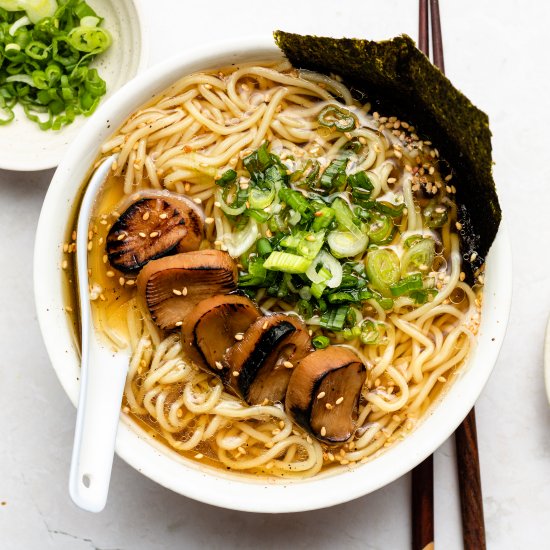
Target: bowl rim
{"points": [[152, 458]]}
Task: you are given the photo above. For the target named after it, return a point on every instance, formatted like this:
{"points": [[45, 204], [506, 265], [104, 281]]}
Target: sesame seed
{"points": [[241, 450], [110, 273], [121, 281], [142, 234], [64, 264], [209, 221], [449, 177], [268, 234], [321, 395], [145, 216], [73, 235], [473, 256], [184, 291], [219, 366], [199, 456], [269, 444], [330, 457], [339, 400], [239, 336], [264, 326], [235, 373], [392, 180], [105, 258], [179, 323], [217, 243], [130, 282], [121, 236], [90, 244], [328, 406], [442, 379], [154, 234], [163, 216], [217, 204], [176, 291], [288, 365], [68, 309], [196, 200], [344, 462], [458, 225], [282, 424], [323, 431], [179, 414]]}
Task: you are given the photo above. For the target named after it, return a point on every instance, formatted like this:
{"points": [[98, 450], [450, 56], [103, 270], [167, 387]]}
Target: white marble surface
{"points": [[497, 54]]}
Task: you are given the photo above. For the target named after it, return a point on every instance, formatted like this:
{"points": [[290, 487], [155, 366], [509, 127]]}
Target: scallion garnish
{"points": [[46, 53], [338, 118], [320, 342]]}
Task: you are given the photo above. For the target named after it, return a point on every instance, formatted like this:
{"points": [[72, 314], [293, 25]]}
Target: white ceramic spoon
{"points": [[547, 359], [102, 377]]}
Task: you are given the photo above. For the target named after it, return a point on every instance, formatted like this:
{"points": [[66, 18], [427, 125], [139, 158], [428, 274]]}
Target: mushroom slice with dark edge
{"points": [[153, 226], [260, 364], [172, 286], [323, 393], [210, 328]]}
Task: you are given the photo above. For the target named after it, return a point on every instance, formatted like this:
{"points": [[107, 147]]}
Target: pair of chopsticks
{"points": [[467, 455]]}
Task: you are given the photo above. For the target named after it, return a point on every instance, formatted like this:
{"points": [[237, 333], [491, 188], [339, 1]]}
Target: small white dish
{"points": [[24, 146], [145, 453]]}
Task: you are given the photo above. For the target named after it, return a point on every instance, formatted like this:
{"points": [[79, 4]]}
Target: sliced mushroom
{"points": [[323, 393], [172, 286], [260, 364], [152, 227], [210, 328]]}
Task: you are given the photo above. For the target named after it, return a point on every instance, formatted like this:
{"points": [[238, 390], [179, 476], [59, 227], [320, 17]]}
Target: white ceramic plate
{"points": [[153, 459], [24, 146]]}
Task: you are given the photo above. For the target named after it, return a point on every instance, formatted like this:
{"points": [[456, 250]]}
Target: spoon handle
{"points": [[102, 377], [96, 425]]}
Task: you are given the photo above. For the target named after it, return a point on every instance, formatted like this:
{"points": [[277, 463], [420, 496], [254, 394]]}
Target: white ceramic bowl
{"points": [[156, 461]]}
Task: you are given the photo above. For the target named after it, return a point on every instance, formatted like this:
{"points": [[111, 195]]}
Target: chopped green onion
{"points": [[227, 178], [325, 262], [296, 201], [334, 318], [361, 187], [406, 285], [344, 217], [317, 289], [345, 244], [383, 269], [323, 218], [338, 118], [286, 262], [229, 208], [370, 333], [263, 246], [305, 309], [320, 342], [260, 198], [334, 177], [435, 214], [380, 228], [46, 54], [392, 210], [419, 257]]}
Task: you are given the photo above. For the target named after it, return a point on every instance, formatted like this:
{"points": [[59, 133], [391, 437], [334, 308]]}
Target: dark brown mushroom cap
{"points": [[260, 365], [153, 227], [323, 393], [172, 286], [210, 328]]}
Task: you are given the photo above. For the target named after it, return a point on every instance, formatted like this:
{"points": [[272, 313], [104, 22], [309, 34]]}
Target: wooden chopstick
{"points": [[467, 454], [469, 481], [423, 505], [422, 481]]}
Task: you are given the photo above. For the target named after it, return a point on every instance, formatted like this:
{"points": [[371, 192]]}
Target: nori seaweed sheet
{"points": [[400, 80]]}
